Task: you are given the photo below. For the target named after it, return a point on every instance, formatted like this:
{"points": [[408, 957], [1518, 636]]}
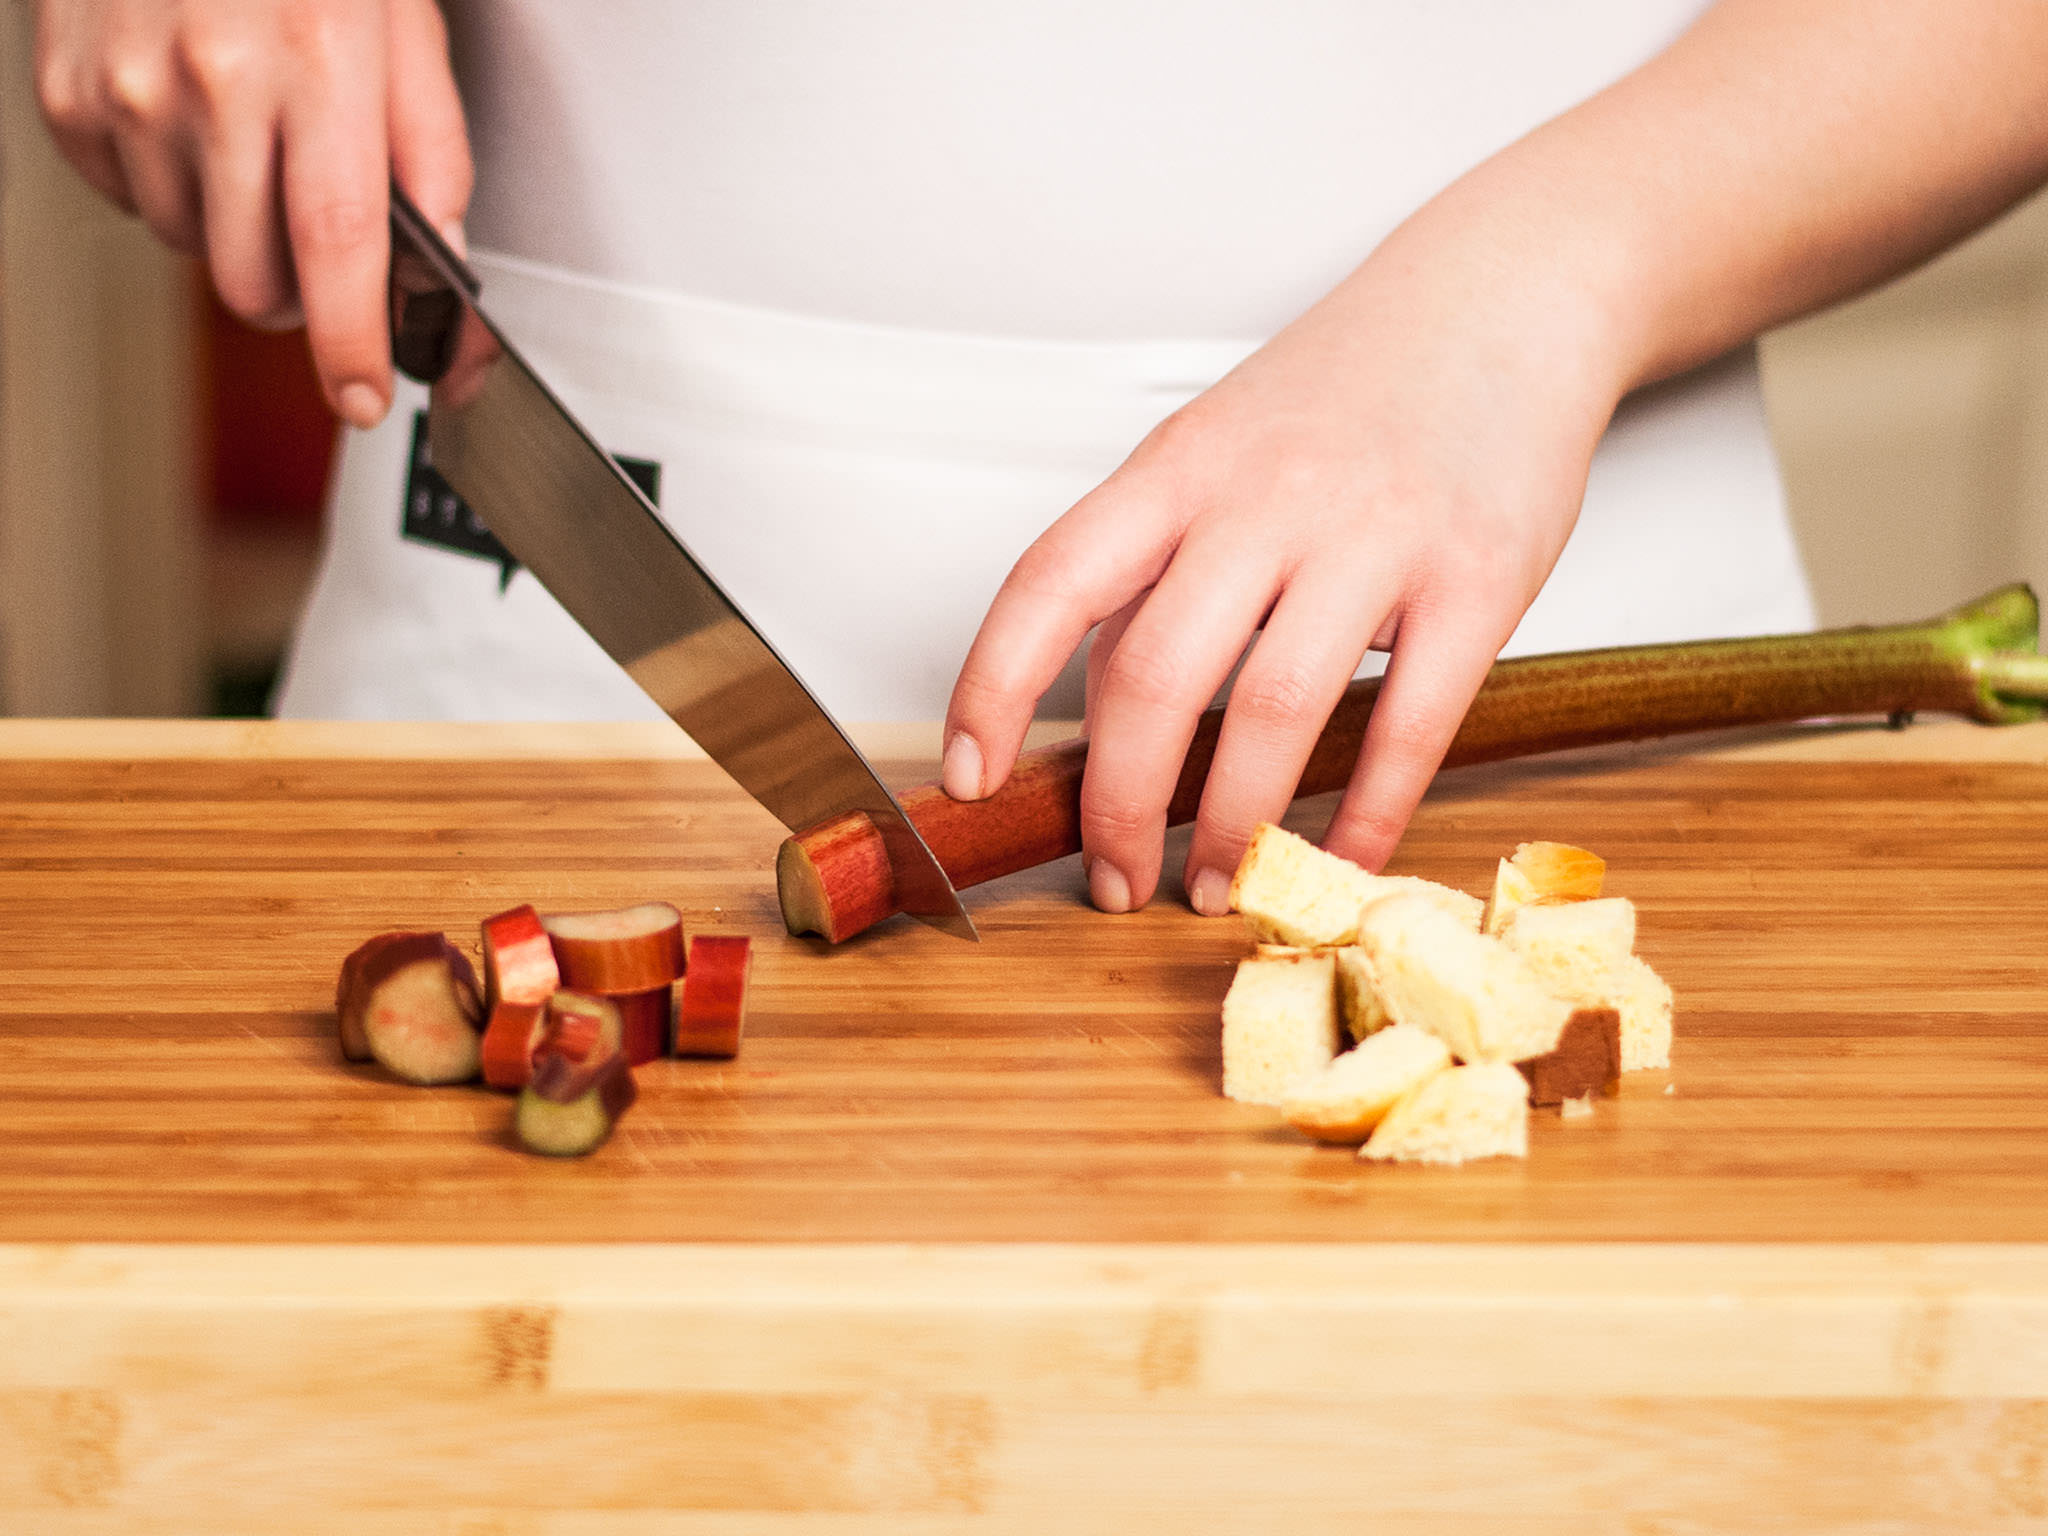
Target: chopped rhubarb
{"points": [[632, 949], [712, 1011]]}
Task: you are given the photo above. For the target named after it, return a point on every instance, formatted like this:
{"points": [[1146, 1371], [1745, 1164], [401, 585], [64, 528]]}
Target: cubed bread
{"points": [[1343, 1102], [1292, 892], [1601, 932], [1646, 1007], [1456, 1116], [1586, 1059], [1358, 998], [1279, 1025], [1627, 985], [1472, 992]]}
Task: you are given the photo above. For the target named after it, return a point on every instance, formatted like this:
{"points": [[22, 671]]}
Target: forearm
{"points": [[1783, 154]]}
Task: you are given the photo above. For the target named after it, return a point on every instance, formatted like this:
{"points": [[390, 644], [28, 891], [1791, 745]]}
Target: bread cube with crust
{"points": [[1456, 1116], [1292, 892], [1473, 992], [1343, 1102], [1279, 1025], [1627, 985]]}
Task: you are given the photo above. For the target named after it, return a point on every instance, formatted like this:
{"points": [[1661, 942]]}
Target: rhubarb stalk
{"points": [[1978, 661]]}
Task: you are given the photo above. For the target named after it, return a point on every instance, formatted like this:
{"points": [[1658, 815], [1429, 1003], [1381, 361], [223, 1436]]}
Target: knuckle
{"points": [[1369, 830], [220, 64], [138, 88], [315, 32], [1141, 672], [1112, 819], [1411, 740], [63, 104], [335, 223], [1048, 568], [1276, 697]]}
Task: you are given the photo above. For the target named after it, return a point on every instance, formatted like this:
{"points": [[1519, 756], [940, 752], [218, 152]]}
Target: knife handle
{"points": [[428, 283], [1977, 661]]}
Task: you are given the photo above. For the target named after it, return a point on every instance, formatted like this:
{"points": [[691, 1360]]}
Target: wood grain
{"points": [[1855, 947], [964, 1241]]}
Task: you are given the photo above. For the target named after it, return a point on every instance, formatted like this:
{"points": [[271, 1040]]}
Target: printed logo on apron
{"points": [[434, 514]]}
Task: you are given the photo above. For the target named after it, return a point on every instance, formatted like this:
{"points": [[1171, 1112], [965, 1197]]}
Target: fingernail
{"points": [[361, 406], [962, 772], [452, 232], [1108, 888], [1209, 893]]}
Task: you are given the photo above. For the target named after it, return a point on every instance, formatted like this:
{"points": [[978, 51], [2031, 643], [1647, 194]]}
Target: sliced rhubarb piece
{"points": [[645, 1018], [519, 959], [510, 1039], [632, 949], [352, 989], [570, 1107], [581, 1027], [419, 1009], [712, 1011]]}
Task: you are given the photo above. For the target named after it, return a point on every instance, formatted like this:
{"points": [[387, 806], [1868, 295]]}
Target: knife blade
{"points": [[567, 512]]}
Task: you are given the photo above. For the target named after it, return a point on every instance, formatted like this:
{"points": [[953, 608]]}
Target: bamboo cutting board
{"points": [[965, 1240], [1856, 949]]}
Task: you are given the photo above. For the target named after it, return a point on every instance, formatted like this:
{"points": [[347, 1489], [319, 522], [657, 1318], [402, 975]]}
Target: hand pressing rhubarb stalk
{"points": [[1978, 661]]}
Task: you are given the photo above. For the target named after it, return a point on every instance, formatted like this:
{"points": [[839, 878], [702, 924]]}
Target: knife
{"points": [[572, 517]]}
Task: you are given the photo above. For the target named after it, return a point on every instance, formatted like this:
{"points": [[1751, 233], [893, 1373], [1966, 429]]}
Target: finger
{"points": [[245, 237], [1101, 646], [1112, 545], [92, 156], [337, 203], [429, 142], [1441, 655], [1297, 671], [74, 109], [163, 186], [1164, 671]]}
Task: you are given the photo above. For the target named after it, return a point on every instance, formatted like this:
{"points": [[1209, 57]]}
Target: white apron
{"points": [[883, 288]]}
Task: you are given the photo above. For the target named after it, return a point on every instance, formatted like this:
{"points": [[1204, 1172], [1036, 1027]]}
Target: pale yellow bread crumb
{"points": [[1576, 1109], [1601, 931], [1292, 892], [1456, 1116], [1627, 985], [1472, 992], [1344, 1101], [1358, 999], [1279, 1025]]}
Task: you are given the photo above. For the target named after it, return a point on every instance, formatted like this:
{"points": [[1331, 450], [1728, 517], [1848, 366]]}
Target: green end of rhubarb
{"points": [[1997, 636]]}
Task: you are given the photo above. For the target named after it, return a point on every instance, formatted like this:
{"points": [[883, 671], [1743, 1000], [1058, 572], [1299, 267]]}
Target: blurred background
{"points": [[161, 466]]}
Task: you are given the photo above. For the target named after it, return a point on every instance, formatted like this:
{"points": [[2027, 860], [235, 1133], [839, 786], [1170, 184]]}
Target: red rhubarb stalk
{"points": [[1978, 661]]}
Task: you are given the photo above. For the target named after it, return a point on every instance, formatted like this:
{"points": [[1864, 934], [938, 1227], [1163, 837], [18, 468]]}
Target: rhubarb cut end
{"points": [[805, 908]]}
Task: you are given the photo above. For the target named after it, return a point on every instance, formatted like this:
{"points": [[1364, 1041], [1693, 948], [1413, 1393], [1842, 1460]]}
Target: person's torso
{"points": [[1081, 168]]}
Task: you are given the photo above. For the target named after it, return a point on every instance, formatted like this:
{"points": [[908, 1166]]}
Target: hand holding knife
{"points": [[573, 518]]}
